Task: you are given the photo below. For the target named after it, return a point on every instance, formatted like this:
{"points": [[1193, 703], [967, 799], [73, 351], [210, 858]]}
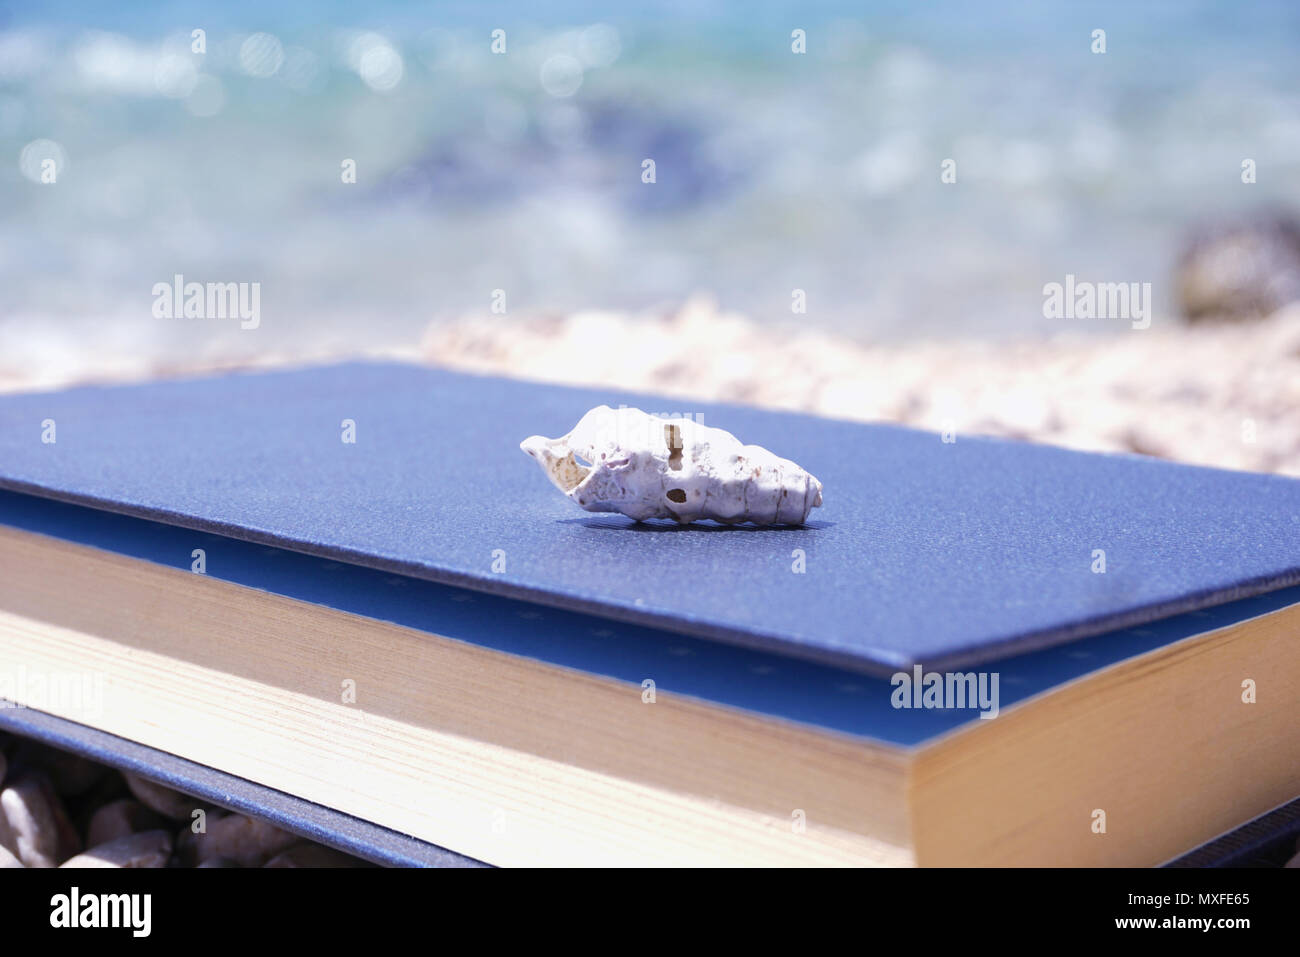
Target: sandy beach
{"points": [[1220, 394], [1225, 395]]}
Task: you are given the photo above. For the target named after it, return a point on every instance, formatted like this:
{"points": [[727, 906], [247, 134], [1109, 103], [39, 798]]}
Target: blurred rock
{"points": [[36, 828], [248, 841], [81, 808], [33, 822], [165, 801], [187, 840], [1240, 270], [146, 849], [119, 819], [312, 855]]}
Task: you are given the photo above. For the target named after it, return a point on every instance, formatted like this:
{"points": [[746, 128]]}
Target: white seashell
{"points": [[644, 466]]}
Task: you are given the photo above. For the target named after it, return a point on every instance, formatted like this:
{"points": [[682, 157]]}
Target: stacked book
{"points": [[347, 589]]}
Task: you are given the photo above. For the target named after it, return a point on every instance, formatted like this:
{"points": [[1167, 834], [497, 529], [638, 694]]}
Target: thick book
{"points": [[348, 584]]}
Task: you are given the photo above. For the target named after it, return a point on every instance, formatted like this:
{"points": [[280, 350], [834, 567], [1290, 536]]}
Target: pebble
{"points": [[146, 849], [165, 801], [1239, 269], [311, 855], [187, 850], [246, 840], [118, 819], [128, 821], [35, 825]]}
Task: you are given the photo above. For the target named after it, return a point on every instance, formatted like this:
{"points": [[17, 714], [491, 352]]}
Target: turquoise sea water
{"points": [[523, 171]]}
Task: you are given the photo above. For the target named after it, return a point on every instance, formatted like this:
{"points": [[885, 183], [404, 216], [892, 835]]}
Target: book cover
{"points": [[943, 554]]}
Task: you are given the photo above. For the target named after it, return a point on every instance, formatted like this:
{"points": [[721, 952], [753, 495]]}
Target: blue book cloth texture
{"points": [[925, 552]]}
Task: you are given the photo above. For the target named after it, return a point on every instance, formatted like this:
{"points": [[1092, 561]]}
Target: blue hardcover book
{"points": [[348, 585]]}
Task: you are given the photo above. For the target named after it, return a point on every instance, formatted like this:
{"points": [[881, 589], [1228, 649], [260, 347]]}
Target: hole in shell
{"points": [[676, 495], [673, 438]]}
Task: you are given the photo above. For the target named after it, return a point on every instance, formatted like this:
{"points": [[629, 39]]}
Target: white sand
{"points": [[1226, 395]]}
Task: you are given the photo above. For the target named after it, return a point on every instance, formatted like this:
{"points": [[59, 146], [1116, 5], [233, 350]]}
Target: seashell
{"points": [[644, 466]]}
